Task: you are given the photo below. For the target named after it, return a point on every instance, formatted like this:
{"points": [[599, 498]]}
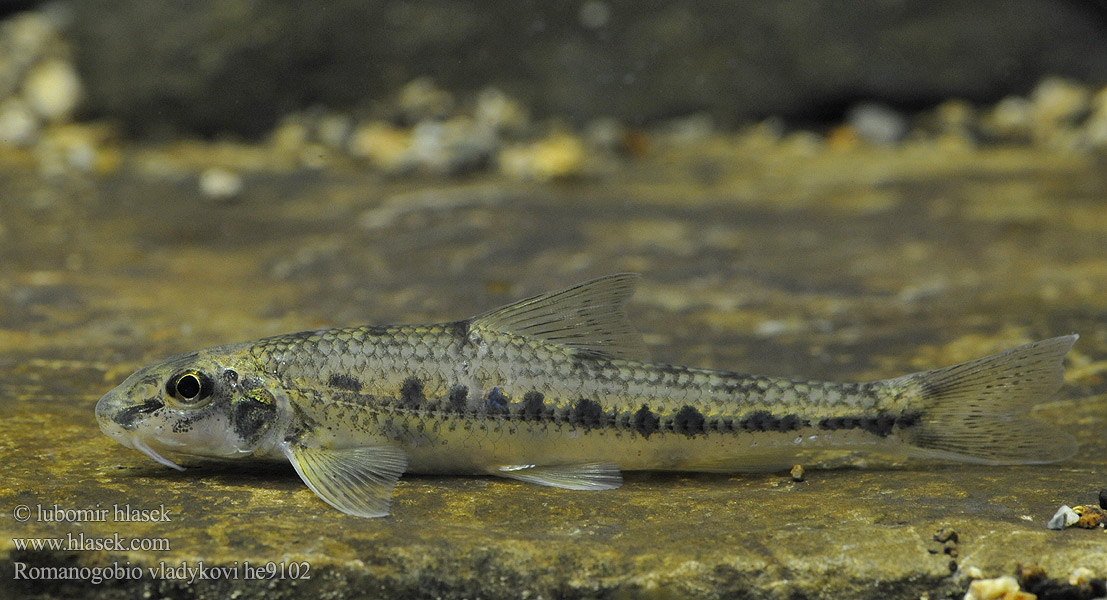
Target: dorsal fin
{"points": [[587, 317]]}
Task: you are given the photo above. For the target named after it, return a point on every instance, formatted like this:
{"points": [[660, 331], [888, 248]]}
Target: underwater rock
{"points": [[53, 89], [1064, 517]]}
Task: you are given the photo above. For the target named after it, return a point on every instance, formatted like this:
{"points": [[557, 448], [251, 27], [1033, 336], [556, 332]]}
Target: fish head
{"points": [[205, 404]]}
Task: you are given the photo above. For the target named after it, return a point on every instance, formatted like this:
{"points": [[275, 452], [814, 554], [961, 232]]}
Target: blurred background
{"points": [[816, 189]]}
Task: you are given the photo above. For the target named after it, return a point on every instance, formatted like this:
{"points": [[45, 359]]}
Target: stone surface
{"points": [[215, 66], [837, 264]]}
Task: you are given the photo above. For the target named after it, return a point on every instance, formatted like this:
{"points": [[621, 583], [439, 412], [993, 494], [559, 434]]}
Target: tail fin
{"points": [[975, 411]]}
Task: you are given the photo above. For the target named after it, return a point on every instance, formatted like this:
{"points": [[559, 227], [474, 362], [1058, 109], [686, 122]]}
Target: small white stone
{"points": [[877, 123], [1010, 118], [1059, 101], [53, 89], [1081, 575], [220, 184], [334, 130], [18, 125], [421, 99], [497, 111], [990, 589], [1064, 517]]}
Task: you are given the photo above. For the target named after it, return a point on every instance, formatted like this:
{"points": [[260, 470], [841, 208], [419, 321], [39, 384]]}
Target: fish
{"points": [[557, 390]]}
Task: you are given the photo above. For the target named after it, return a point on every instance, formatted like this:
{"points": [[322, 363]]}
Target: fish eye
{"points": [[189, 387]]}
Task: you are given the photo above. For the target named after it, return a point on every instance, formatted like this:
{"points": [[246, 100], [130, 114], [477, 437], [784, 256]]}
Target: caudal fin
{"points": [[976, 411]]}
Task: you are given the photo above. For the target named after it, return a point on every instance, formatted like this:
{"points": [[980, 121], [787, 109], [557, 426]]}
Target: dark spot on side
{"points": [[411, 393], [688, 421], [908, 419], [534, 406], [460, 330], [761, 420], [252, 414], [127, 417], [791, 423], [344, 382], [459, 398], [586, 413], [880, 425], [496, 402], [645, 421], [758, 420]]}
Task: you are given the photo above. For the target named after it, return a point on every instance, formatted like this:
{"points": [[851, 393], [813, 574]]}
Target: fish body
{"points": [[556, 390]]}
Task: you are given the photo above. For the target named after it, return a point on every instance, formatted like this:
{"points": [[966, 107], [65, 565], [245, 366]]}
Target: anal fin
{"points": [[357, 481], [585, 476]]}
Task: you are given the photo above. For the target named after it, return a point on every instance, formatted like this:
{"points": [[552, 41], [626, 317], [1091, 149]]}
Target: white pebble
{"points": [[220, 184], [1010, 117], [877, 123], [334, 130], [53, 89], [1059, 101], [1064, 517], [421, 99], [1080, 576], [497, 111], [990, 589], [18, 125]]}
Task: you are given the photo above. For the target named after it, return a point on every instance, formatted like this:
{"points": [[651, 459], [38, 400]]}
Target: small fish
{"points": [[556, 390]]}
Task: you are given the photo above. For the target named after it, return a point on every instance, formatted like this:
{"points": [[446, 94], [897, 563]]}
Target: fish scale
{"points": [[556, 390]]}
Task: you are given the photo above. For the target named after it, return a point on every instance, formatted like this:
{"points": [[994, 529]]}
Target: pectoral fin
{"points": [[356, 481], [588, 476]]}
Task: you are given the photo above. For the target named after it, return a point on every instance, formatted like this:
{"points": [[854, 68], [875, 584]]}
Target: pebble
{"points": [[797, 473], [1080, 576], [605, 133], [289, 136], [18, 124], [1057, 107], [451, 147], [991, 589], [53, 89], [1090, 516], [386, 147], [24, 40], [220, 184], [1009, 120], [74, 146], [499, 112], [333, 130], [421, 99], [877, 124], [558, 156], [692, 129], [1095, 129], [1064, 517], [1056, 102]]}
